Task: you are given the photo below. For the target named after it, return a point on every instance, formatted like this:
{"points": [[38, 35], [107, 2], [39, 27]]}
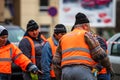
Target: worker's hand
{"points": [[35, 70], [94, 72], [40, 72]]}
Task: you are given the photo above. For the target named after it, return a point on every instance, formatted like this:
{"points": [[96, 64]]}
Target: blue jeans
{"points": [[104, 76], [77, 72]]}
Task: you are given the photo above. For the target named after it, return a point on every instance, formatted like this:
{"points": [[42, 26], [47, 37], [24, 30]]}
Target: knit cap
{"points": [[32, 25], [81, 18], [3, 31], [60, 28]]}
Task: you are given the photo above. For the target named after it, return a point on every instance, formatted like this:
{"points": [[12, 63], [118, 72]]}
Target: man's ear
{"points": [[85, 27]]}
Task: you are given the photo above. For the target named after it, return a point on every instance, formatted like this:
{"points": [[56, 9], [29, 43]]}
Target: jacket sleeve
{"points": [[46, 60], [19, 58], [57, 63], [103, 45], [97, 53]]}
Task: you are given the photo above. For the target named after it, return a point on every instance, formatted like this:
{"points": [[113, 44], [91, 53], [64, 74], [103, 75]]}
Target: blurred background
{"points": [[103, 14]]}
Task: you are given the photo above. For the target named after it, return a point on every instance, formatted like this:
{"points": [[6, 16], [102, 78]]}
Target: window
{"points": [[115, 51], [9, 9], [44, 5]]}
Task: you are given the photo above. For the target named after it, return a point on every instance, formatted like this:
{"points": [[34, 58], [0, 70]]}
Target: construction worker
{"points": [[10, 53], [49, 50], [77, 53], [31, 45], [99, 70]]}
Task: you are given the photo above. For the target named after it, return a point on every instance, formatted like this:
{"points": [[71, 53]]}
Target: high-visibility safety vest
{"points": [[53, 48], [10, 53], [75, 50], [33, 48]]}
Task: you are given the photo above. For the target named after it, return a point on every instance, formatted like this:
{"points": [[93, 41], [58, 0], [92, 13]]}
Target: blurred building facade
{"points": [[21, 11]]}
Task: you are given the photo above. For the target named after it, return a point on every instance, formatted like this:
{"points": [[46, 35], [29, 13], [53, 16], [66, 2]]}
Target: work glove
{"points": [[35, 70]]}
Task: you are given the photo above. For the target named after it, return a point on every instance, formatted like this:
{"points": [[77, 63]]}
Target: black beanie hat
{"points": [[32, 25], [3, 31], [60, 28], [81, 18], [72, 28]]}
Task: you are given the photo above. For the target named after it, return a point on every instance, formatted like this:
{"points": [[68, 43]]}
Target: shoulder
{"points": [[47, 44], [14, 47], [24, 41], [102, 42]]}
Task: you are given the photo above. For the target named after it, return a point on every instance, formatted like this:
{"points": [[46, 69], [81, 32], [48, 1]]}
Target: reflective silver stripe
{"points": [[5, 59], [11, 53], [76, 49], [95, 49], [17, 56], [77, 58]]}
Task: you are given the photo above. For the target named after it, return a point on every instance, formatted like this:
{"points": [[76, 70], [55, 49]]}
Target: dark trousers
{"points": [[103, 77], [5, 76], [53, 78]]}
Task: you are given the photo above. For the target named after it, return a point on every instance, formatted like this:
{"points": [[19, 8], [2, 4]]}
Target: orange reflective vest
{"points": [[53, 47], [33, 48], [11, 53], [75, 50]]}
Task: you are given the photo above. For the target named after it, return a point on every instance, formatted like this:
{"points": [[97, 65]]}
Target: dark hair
{"points": [[72, 28], [60, 28], [4, 32]]}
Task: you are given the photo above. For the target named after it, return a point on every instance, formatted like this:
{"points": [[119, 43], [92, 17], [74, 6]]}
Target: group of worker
{"points": [[76, 55]]}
